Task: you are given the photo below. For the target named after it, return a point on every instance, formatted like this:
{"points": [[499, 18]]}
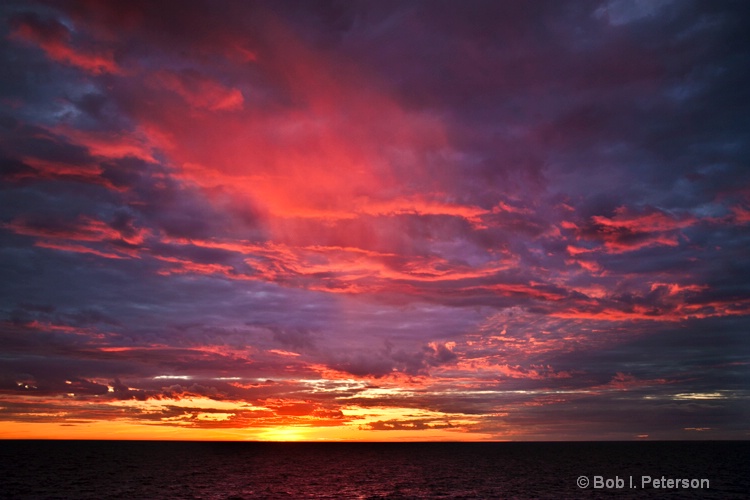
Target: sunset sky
{"points": [[374, 220]]}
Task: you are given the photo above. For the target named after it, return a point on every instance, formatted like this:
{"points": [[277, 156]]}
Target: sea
{"points": [[249, 470]]}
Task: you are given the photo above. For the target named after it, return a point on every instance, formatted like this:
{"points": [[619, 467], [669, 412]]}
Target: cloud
{"points": [[413, 424], [55, 39], [200, 91], [627, 232], [295, 339]]}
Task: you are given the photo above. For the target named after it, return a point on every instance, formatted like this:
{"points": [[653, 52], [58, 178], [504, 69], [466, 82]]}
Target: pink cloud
{"points": [[42, 169], [111, 145], [70, 247], [55, 40], [200, 91], [625, 231], [83, 229]]}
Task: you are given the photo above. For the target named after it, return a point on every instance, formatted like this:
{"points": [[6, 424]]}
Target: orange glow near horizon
{"points": [[114, 430], [123, 429]]}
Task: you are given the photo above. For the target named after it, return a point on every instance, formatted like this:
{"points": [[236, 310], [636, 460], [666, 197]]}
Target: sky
{"points": [[375, 220]]}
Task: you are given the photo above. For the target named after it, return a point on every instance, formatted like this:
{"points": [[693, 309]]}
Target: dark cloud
{"points": [[294, 339], [414, 424]]}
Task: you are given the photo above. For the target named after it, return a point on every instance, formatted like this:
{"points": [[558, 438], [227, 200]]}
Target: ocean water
{"points": [[222, 470]]}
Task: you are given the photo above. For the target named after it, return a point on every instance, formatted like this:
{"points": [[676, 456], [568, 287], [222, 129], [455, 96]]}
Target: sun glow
{"points": [[284, 434]]}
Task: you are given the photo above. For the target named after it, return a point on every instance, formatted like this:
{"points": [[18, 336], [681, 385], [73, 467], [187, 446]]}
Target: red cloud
{"points": [[41, 169], [478, 367], [55, 39], [102, 239], [137, 144], [182, 266], [69, 247], [626, 231], [625, 381], [200, 91], [642, 223], [741, 214], [83, 229]]}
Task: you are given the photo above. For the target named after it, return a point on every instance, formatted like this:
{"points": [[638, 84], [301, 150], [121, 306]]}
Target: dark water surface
{"points": [[150, 470]]}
